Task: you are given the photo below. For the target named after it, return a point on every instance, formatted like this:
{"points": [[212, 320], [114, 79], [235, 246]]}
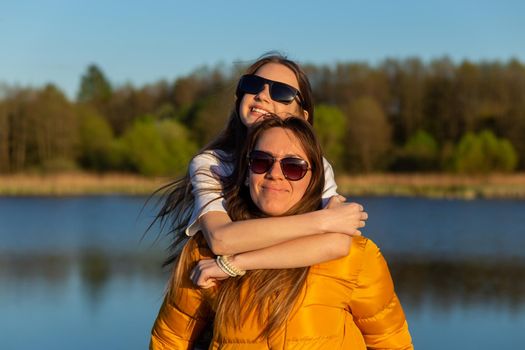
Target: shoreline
{"points": [[78, 184], [494, 186]]}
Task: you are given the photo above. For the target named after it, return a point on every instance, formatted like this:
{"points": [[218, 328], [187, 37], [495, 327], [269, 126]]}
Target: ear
{"points": [[306, 114]]}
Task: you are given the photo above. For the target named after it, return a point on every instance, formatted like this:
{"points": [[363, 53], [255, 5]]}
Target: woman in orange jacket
{"points": [[347, 303]]}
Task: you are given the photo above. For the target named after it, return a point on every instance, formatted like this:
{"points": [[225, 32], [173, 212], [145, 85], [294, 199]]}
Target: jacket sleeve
{"points": [[375, 307], [181, 318]]}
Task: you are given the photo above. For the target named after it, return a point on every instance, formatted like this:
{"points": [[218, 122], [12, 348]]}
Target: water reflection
{"points": [[78, 272], [447, 283], [95, 269]]}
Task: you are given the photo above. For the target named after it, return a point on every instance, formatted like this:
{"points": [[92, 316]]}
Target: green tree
{"points": [[186, 91], [441, 119], [94, 86], [144, 149], [53, 135], [210, 115], [484, 153], [95, 90], [512, 121], [5, 161], [38, 129], [467, 98], [157, 148], [407, 82], [95, 141], [17, 120], [368, 137], [330, 127], [420, 153], [179, 144], [128, 103], [507, 158]]}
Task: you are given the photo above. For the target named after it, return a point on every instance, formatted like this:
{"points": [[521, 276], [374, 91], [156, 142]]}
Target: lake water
{"points": [[75, 273]]}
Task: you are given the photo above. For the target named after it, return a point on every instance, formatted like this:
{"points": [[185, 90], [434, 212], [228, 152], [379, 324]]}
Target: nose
{"points": [[264, 94], [275, 171]]}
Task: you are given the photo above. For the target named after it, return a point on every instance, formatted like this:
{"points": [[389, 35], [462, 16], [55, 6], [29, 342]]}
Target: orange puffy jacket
{"points": [[349, 303]]}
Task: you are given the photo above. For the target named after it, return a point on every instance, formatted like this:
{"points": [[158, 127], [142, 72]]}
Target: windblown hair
{"points": [[178, 198], [271, 294]]}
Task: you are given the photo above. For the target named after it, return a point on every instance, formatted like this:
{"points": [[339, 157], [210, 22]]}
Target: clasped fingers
{"points": [[206, 273], [356, 219], [343, 217]]}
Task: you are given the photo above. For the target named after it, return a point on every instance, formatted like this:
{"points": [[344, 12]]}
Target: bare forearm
{"points": [[226, 237], [301, 252]]}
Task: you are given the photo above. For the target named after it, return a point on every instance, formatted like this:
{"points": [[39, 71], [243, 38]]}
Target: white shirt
{"points": [[205, 171]]}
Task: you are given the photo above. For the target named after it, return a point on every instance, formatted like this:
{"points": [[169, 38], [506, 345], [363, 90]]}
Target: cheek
{"points": [[292, 109], [243, 106], [251, 182], [244, 102], [300, 188]]}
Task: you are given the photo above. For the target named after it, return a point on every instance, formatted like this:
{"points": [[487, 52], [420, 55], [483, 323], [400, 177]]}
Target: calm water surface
{"points": [[74, 272]]}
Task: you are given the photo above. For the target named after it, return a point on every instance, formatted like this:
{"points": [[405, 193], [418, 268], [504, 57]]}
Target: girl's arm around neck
{"points": [[301, 252], [225, 237]]}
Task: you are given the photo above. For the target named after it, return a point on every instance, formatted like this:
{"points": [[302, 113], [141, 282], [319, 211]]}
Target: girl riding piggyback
{"points": [[276, 85]]}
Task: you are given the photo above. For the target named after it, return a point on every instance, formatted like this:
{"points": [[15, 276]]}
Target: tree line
{"points": [[399, 115]]}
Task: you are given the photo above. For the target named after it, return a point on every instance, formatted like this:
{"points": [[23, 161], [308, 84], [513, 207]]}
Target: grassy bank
{"points": [[428, 185], [435, 185], [77, 184]]}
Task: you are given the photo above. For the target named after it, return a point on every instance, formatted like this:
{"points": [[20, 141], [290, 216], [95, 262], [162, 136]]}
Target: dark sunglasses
{"points": [[293, 169], [279, 92]]}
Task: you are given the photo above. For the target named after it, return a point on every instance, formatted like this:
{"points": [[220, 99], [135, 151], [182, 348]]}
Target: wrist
{"points": [[238, 261], [225, 263], [320, 222]]}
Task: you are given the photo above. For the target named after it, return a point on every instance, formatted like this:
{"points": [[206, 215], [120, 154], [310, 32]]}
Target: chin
{"points": [[274, 211]]}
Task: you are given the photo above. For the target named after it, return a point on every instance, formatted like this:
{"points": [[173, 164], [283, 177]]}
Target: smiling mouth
{"points": [[258, 110], [272, 189]]}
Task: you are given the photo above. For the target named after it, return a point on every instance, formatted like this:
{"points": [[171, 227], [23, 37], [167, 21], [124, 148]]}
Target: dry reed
{"points": [[428, 185], [435, 185], [77, 184]]}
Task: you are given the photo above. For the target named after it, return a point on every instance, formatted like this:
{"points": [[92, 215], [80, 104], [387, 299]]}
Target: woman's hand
{"points": [[206, 274], [344, 217]]}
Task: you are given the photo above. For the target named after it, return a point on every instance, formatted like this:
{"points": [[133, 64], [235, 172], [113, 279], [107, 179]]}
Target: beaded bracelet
{"points": [[227, 267], [224, 268]]}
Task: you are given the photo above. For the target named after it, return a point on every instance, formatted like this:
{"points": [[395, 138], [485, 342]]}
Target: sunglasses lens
{"points": [[251, 84], [293, 168], [282, 93], [260, 162]]}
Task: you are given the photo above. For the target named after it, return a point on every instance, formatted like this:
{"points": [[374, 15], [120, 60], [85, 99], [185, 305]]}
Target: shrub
{"points": [[420, 152], [484, 153], [155, 148]]}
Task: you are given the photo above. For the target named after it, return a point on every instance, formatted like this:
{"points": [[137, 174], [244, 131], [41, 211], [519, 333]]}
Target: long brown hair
{"points": [[269, 294], [177, 200]]}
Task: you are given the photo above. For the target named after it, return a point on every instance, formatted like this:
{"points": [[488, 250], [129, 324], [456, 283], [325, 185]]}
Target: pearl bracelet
{"points": [[227, 267]]}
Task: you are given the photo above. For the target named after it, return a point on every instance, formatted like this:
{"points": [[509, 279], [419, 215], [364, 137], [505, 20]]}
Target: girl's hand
{"points": [[206, 274], [344, 217]]}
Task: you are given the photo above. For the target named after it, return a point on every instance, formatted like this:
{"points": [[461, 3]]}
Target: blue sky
{"points": [[144, 41]]}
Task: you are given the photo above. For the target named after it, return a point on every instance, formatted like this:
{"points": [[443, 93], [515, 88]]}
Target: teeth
{"points": [[258, 110]]}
